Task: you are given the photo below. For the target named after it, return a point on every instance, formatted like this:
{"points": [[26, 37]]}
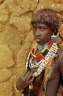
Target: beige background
{"points": [[16, 38]]}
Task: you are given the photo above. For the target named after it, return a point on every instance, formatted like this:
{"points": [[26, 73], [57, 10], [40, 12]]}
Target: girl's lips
{"points": [[37, 39]]}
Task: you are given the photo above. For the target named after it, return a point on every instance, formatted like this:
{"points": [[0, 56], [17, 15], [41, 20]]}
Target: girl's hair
{"points": [[47, 17]]}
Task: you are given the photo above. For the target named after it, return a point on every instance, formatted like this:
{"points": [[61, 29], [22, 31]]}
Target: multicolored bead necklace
{"points": [[41, 54], [43, 62]]}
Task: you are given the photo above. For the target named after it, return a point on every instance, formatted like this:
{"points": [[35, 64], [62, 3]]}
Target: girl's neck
{"points": [[40, 47]]}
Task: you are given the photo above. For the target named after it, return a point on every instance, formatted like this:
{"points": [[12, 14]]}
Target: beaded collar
{"points": [[41, 54]]}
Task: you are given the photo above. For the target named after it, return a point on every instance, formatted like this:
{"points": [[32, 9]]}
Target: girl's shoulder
{"points": [[60, 55]]}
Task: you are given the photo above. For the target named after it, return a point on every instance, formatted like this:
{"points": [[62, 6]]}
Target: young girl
{"points": [[42, 74]]}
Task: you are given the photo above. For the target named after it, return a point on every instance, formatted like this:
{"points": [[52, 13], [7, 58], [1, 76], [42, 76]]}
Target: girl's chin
{"points": [[40, 42], [37, 39]]}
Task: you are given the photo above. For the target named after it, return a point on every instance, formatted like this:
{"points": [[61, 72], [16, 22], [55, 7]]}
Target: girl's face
{"points": [[41, 32]]}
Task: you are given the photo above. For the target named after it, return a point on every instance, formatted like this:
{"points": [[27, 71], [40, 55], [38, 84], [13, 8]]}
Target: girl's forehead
{"points": [[40, 25]]}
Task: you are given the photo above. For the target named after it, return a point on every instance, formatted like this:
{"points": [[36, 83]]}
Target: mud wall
{"points": [[16, 38]]}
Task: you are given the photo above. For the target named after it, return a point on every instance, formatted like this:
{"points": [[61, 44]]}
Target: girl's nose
{"points": [[38, 32]]}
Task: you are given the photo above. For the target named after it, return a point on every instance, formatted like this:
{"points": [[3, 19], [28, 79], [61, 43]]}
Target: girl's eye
{"points": [[42, 29], [34, 28]]}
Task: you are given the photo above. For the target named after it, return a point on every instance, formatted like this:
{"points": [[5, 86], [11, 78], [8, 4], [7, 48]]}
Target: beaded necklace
{"points": [[43, 62], [41, 54]]}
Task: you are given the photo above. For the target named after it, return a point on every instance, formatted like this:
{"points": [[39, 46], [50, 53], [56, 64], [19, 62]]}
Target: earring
{"points": [[53, 37]]}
